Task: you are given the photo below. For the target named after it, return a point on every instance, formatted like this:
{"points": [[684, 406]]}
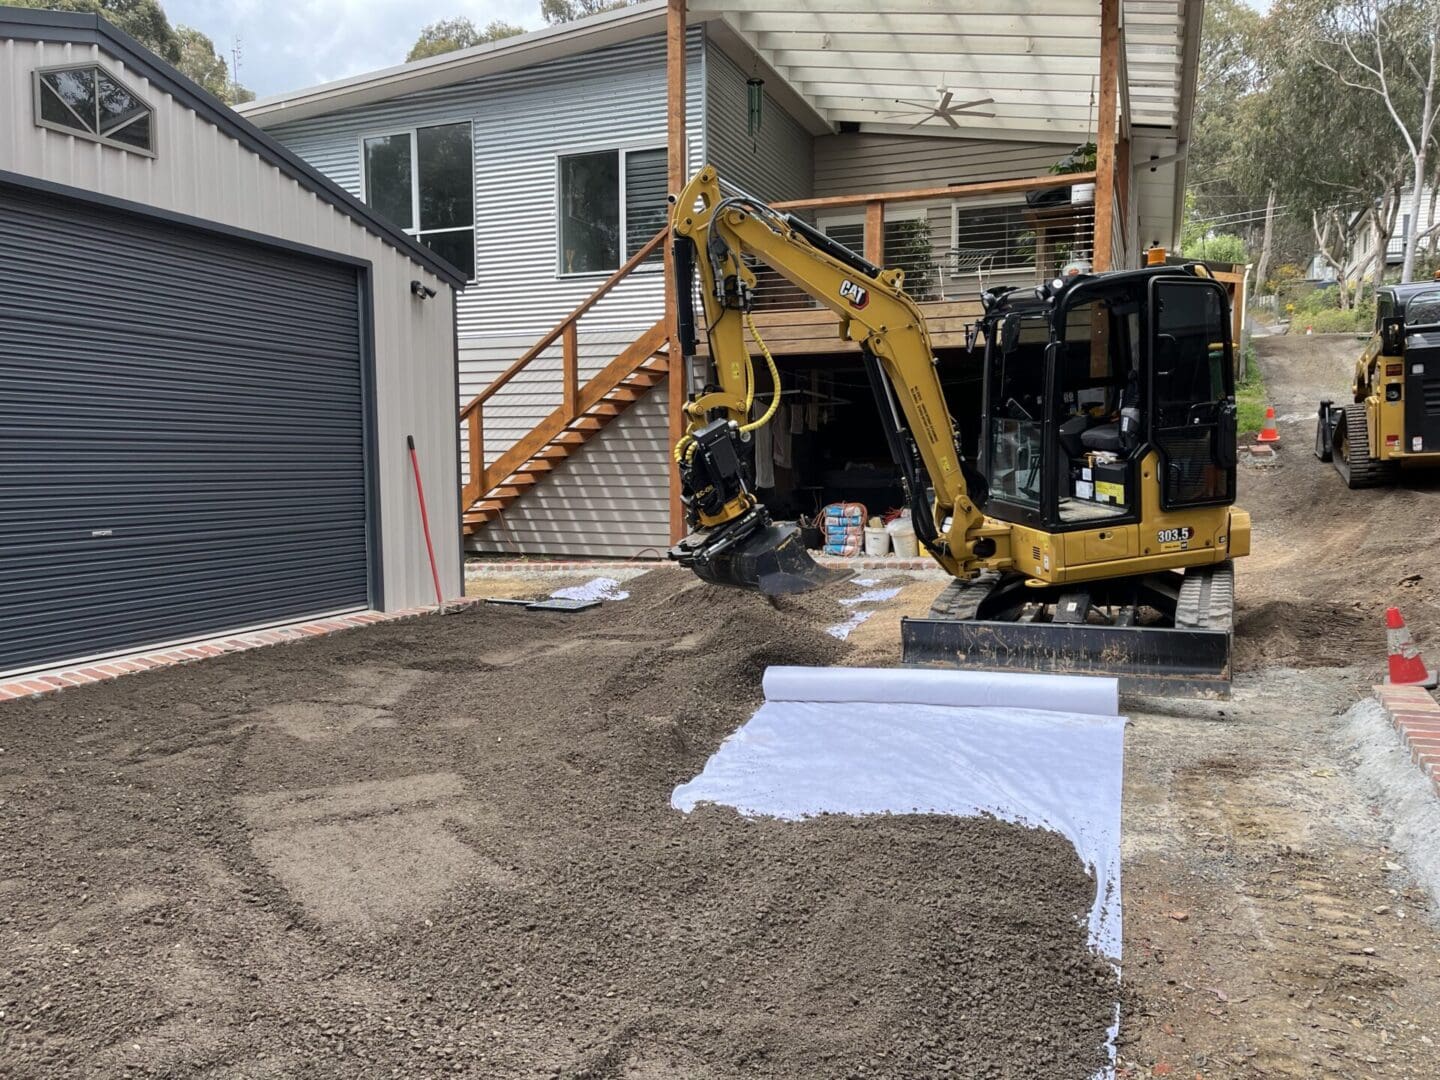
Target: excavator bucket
{"points": [[770, 558]]}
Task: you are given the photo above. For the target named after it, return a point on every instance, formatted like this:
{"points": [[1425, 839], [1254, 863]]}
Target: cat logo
{"points": [[857, 295]]}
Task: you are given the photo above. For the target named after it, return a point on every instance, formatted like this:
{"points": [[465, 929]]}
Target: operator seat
{"points": [[1103, 437]]}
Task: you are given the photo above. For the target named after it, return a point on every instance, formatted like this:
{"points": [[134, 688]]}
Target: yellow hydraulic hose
{"points": [[774, 381], [686, 446]]}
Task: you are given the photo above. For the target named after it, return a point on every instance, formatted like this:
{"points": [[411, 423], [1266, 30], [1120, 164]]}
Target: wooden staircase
{"points": [[585, 409]]}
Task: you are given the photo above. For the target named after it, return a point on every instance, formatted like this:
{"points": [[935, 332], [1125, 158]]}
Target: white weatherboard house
{"points": [[922, 134], [211, 358]]}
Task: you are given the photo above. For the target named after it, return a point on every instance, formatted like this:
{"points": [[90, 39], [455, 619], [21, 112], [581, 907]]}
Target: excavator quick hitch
{"points": [[743, 549], [753, 552]]}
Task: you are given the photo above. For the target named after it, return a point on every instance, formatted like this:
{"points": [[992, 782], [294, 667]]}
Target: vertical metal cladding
{"points": [[521, 121], [182, 445]]}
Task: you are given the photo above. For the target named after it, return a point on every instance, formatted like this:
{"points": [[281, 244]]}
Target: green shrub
{"points": [[1333, 321], [1250, 396]]}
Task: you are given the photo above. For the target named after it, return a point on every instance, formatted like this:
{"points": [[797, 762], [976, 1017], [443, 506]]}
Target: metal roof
{"points": [[855, 62], [852, 60], [88, 29]]}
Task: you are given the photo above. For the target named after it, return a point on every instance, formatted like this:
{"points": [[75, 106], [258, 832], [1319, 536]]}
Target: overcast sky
{"points": [[287, 44]]}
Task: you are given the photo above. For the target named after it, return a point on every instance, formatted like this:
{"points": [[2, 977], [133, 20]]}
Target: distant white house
{"points": [[1361, 260]]}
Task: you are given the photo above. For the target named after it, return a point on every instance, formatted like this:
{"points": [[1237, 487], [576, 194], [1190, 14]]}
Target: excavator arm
{"points": [[734, 542]]}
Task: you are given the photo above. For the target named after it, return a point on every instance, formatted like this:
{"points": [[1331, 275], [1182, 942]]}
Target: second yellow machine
{"points": [[1096, 530]]}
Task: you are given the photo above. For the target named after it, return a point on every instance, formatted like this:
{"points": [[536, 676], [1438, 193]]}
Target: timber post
{"points": [[1100, 258], [675, 16]]}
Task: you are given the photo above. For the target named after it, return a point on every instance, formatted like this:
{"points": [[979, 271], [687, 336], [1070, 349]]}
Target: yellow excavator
{"points": [[1095, 532]]}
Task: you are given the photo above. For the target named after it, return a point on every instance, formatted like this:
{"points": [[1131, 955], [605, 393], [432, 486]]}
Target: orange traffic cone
{"points": [[1407, 666], [1268, 432]]}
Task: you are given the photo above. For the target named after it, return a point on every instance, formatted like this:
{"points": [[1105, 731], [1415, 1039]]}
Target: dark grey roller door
{"points": [[182, 433]]}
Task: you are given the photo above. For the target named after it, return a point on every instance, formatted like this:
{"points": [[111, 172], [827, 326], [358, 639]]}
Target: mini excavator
{"points": [[1094, 533]]}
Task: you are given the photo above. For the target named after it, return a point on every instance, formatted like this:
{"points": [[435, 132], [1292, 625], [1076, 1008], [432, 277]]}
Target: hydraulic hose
{"points": [[774, 381], [686, 446]]}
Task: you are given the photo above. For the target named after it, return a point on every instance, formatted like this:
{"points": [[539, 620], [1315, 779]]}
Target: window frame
{"points": [[415, 231], [649, 266], [989, 202], [94, 136]]}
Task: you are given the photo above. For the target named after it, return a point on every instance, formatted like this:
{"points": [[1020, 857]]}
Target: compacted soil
{"points": [[444, 847], [1271, 928]]}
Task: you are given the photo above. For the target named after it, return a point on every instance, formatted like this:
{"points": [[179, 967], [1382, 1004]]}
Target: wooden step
{"points": [[520, 479], [644, 378], [506, 494], [475, 520], [587, 423], [556, 451], [487, 506], [624, 393], [568, 440], [606, 408], [538, 465]]}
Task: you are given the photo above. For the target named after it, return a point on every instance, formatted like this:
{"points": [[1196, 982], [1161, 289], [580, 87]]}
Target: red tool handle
{"points": [[425, 519]]}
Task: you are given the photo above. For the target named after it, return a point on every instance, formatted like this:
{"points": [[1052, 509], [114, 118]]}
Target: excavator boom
{"points": [[734, 542]]}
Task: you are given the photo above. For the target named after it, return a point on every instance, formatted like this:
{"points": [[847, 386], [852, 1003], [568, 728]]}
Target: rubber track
{"points": [[1207, 598], [1359, 469]]}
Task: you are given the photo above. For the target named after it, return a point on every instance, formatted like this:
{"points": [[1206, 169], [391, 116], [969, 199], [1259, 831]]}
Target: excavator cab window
{"points": [[1097, 409], [1014, 445], [1192, 393]]}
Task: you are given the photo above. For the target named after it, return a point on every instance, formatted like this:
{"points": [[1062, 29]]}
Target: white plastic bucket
{"points": [[877, 542], [1082, 194], [906, 546]]}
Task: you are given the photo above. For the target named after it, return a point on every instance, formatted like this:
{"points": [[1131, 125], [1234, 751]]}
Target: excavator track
{"points": [[1352, 458], [1163, 634]]}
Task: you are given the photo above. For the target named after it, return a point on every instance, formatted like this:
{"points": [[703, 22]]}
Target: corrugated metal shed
{"points": [[214, 172]]}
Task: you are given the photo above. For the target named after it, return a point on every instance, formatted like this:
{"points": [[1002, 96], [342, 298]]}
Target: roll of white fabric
{"points": [[1090, 695]]}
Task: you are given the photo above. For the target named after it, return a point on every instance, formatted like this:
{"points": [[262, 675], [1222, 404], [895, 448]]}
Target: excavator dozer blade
{"points": [[770, 559]]}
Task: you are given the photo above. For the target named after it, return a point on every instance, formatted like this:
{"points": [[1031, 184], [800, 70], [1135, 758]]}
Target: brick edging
{"points": [[481, 567], [1416, 716], [38, 684]]}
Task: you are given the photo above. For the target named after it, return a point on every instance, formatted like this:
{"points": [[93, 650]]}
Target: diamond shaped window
{"points": [[90, 102]]}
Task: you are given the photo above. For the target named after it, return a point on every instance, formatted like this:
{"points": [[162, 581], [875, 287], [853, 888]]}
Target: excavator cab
{"points": [[1084, 379]]}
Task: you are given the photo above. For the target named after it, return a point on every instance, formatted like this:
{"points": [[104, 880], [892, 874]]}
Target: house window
{"points": [[991, 239], [611, 203], [90, 102], [423, 180]]}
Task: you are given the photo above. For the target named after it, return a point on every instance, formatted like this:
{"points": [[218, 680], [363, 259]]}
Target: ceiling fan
{"points": [[945, 108]]}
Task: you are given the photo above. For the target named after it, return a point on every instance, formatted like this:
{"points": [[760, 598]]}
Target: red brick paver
{"points": [[1416, 716]]}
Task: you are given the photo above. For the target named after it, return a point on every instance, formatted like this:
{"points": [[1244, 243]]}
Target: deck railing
{"points": [[954, 241]]}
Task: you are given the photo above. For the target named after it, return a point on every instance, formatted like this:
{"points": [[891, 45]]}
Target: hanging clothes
{"points": [[782, 437], [764, 450]]}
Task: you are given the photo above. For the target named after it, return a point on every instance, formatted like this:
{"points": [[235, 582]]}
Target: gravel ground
{"points": [[444, 847]]}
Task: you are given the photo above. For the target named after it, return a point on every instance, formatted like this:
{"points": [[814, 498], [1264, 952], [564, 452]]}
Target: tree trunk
{"points": [[1407, 270], [1421, 147], [1262, 268]]}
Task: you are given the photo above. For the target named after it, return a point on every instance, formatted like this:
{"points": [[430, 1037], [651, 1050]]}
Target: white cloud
{"points": [[288, 44]]}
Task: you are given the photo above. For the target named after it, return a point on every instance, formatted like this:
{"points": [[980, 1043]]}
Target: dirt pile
{"points": [[1326, 561], [444, 847]]}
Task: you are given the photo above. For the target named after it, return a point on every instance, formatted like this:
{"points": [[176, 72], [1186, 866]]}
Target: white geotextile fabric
{"points": [[1045, 750], [600, 588], [900, 741]]}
